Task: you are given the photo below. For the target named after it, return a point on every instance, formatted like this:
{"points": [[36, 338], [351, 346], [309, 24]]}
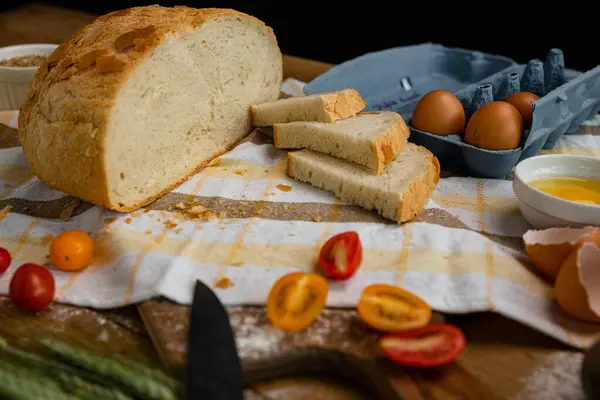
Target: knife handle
{"points": [[318, 360]]}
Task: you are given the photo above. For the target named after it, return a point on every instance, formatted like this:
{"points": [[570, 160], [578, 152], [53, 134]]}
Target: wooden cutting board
{"points": [[256, 339]]}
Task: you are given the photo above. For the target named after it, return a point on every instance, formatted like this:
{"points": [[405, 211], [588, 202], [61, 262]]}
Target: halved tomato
{"points": [[430, 346], [296, 300], [341, 255], [392, 309]]}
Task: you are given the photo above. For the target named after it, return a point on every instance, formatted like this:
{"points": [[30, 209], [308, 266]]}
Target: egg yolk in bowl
{"points": [[575, 189]]}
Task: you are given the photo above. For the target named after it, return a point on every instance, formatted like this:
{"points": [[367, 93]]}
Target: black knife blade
{"points": [[213, 369]]}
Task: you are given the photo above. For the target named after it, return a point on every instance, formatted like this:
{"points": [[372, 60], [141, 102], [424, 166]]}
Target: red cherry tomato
{"points": [[341, 255], [32, 288], [431, 346], [5, 260]]}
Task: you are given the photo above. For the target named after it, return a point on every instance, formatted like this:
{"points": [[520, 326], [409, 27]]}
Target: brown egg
{"points": [[439, 112], [523, 101], [495, 126]]}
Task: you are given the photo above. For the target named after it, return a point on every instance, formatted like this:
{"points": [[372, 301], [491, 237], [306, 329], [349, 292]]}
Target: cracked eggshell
{"points": [[547, 249], [577, 289]]}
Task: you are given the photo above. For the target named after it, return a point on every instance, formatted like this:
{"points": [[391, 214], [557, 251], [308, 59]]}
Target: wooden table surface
{"points": [[503, 360]]}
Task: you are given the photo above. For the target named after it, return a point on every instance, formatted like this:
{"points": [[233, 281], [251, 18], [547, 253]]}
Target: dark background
{"points": [[335, 31]]}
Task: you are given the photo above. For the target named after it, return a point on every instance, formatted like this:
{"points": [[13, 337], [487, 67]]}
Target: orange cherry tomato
{"points": [[431, 346], [296, 300], [389, 308], [341, 255], [72, 250]]}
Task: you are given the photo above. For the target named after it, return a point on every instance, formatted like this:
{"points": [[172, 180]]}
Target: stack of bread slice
{"points": [[365, 159]]}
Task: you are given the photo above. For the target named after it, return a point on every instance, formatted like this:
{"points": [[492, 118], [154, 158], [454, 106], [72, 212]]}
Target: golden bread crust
{"points": [[386, 147], [346, 103], [419, 190], [63, 122]]}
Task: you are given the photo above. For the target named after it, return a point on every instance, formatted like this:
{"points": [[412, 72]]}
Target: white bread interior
{"points": [[399, 193], [320, 107], [173, 95], [370, 139]]}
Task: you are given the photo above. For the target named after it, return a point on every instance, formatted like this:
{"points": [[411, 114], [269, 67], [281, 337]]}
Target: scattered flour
{"points": [[253, 338], [104, 336], [557, 378]]}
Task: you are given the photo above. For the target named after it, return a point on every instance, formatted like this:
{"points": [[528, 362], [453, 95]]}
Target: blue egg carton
{"points": [[395, 80]]}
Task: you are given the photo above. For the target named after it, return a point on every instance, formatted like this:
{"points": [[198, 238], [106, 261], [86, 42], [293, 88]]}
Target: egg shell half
{"points": [[547, 249], [577, 289]]}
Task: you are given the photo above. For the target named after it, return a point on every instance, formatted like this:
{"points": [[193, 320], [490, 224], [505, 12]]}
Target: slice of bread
{"points": [[400, 193], [321, 107], [370, 139], [143, 98]]}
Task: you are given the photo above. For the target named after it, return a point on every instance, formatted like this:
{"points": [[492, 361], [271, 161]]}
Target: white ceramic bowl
{"points": [[15, 81], [545, 211]]}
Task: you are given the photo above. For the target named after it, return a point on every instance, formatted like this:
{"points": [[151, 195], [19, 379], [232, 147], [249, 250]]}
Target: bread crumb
{"points": [[170, 224], [109, 220], [128, 220], [291, 234], [4, 211], [146, 211], [179, 230], [237, 264], [163, 213], [148, 232], [284, 188], [197, 211], [216, 162], [181, 206], [241, 171], [317, 219], [70, 207], [210, 216], [266, 171], [48, 238], [136, 213], [223, 283]]}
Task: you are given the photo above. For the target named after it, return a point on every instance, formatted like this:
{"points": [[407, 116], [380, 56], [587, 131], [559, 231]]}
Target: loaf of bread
{"points": [[143, 98], [320, 107], [371, 139], [399, 193]]}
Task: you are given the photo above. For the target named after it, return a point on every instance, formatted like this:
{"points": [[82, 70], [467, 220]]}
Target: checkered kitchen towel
{"points": [[463, 254]]}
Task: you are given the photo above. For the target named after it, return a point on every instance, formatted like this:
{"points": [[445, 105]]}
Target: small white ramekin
{"points": [[15, 81], [545, 211]]}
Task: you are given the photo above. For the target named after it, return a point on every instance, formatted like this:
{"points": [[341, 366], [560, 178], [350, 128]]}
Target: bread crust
{"points": [[63, 122], [419, 191], [386, 147], [343, 105]]}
